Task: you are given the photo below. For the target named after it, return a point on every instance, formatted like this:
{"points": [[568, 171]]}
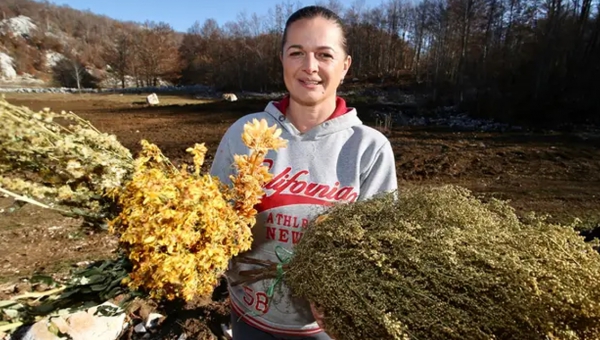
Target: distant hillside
{"points": [[39, 41]]}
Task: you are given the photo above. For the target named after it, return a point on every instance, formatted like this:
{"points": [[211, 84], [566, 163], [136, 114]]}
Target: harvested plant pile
{"points": [[61, 161], [177, 228], [440, 264]]}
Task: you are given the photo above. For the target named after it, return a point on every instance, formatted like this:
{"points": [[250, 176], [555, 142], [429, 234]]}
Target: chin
{"points": [[308, 97]]}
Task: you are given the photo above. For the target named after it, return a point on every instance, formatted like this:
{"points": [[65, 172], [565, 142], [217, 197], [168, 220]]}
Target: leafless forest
{"points": [[526, 61]]}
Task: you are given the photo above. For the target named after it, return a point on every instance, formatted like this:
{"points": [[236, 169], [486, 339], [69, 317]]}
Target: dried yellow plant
{"points": [[180, 229], [60, 160]]}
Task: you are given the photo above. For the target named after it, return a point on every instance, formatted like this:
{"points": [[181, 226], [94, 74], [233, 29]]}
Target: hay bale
{"points": [[440, 264]]}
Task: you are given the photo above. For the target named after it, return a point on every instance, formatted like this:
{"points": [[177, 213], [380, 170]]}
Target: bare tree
{"points": [[77, 72], [120, 55], [70, 72], [157, 52]]}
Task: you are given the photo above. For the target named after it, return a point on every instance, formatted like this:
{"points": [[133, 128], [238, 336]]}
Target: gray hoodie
{"points": [[341, 160]]}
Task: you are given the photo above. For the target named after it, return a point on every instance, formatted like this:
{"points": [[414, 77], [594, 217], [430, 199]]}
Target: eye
{"points": [[295, 53], [326, 56]]}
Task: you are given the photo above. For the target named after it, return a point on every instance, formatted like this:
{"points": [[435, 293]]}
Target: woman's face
{"points": [[314, 61]]}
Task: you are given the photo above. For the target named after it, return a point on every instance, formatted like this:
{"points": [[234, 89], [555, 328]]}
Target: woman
{"points": [[331, 157]]}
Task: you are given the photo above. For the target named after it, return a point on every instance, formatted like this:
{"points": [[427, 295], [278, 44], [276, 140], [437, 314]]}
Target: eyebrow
{"points": [[318, 48]]}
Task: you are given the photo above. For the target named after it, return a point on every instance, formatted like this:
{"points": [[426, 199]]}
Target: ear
{"points": [[281, 57], [347, 64]]}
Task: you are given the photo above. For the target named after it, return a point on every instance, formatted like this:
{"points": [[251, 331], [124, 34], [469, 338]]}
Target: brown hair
{"points": [[311, 12]]}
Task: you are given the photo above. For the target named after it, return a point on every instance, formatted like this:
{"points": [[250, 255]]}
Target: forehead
{"points": [[313, 33]]}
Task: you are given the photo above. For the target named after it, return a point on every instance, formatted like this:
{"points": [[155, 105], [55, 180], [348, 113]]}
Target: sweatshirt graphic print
{"points": [[341, 160]]}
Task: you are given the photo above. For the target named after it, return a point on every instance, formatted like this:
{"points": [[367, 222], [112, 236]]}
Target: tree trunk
{"points": [[466, 27]]}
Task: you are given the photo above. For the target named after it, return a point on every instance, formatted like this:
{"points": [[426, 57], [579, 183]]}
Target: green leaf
{"points": [[115, 283], [70, 292], [98, 287], [88, 272], [104, 265], [43, 308], [112, 293], [38, 278], [107, 310], [85, 290]]}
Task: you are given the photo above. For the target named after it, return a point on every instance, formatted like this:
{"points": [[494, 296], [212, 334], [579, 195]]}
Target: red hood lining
{"points": [[340, 106]]}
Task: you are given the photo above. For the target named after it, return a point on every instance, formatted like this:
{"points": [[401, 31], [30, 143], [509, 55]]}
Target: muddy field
{"points": [[550, 173]]}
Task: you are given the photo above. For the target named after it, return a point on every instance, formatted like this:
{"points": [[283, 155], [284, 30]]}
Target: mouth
{"points": [[308, 82]]}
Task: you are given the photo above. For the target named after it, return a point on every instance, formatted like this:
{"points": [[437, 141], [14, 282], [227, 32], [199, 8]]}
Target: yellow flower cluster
{"points": [[180, 229], [247, 190]]}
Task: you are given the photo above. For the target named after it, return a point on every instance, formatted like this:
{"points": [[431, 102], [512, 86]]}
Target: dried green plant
{"points": [[60, 161], [437, 263]]}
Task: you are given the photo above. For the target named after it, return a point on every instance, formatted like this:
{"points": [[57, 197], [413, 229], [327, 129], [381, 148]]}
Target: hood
{"points": [[341, 119]]}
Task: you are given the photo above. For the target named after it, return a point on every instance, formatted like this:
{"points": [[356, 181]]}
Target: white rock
{"points": [[230, 97], [52, 58], [7, 69], [227, 331], [21, 25], [80, 325], [152, 320], [152, 99], [139, 328]]}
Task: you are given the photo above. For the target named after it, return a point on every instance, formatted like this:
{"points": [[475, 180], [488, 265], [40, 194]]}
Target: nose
{"points": [[310, 63]]}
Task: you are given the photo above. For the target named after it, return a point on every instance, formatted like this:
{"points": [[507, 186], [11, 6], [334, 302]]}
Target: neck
{"points": [[306, 117]]}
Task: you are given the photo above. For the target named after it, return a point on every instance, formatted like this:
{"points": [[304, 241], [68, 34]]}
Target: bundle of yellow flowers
{"points": [[178, 228]]}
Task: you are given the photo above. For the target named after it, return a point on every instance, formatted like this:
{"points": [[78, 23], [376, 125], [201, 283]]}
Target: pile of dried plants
{"points": [[438, 263], [60, 161]]}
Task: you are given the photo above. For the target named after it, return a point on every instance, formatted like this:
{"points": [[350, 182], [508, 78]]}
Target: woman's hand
{"points": [[319, 315]]}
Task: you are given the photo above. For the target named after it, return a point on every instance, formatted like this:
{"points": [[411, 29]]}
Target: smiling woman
{"points": [[331, 158], [315, 61]]}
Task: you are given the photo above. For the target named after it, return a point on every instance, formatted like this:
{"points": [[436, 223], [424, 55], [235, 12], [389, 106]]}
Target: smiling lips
{"points": [[311, 84]]}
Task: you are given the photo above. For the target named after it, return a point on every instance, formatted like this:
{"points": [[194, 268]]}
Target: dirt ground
{"points": [[550, 173]]}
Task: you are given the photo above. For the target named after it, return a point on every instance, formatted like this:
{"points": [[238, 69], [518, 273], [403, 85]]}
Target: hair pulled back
{"points": [[311, 12]]}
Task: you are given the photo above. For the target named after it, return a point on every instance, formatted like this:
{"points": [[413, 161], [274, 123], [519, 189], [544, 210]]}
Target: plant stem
{"points": [[68, 213], [26, 199], [264, 274], [249, 260]]}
